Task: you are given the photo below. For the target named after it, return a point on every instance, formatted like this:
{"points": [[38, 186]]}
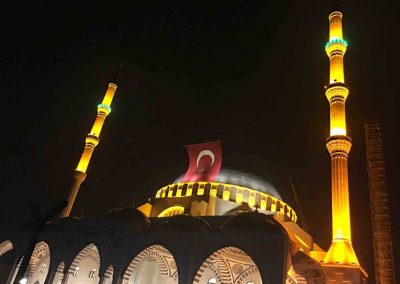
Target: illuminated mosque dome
{"points": [[234, 177]]}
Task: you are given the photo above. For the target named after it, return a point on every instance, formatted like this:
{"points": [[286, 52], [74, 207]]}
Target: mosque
{"points": [[211, 225]]}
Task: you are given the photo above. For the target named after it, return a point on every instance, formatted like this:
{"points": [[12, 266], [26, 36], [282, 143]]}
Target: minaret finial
{"points": [[92, 140]]}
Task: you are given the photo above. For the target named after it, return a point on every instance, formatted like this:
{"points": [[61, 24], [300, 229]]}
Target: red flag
{"points": [[204, 161]]}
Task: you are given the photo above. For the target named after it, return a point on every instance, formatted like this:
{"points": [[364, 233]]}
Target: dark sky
{"points": [[250, 73]]}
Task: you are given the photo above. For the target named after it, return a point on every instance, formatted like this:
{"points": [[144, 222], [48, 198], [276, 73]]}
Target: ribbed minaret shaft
{"points": [[338, 145], [91, 141]]}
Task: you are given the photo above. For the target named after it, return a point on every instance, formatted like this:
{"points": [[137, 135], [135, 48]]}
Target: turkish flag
{"points": [[204, 161]]}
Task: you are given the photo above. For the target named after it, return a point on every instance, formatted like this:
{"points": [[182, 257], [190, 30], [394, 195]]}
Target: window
{"points": [[92, 272], [42, 268], [76, 271], [250, 282], [212, 280]]}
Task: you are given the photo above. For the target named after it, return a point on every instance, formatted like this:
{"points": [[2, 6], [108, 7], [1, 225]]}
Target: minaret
{"points": [[338, 144], [92, 140]]}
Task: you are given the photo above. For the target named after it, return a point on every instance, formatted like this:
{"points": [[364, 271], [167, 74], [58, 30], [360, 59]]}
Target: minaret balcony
{"points": [[92, 141], [103, 108], [338, 145], [336, 45], [337, 91]]}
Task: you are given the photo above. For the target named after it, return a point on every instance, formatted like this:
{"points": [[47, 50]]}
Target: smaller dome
{"points": [[130, 216], [185, 223], [245, 180]]}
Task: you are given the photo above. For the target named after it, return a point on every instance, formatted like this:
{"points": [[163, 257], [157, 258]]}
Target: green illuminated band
{"points": [[335, 41], [105, 107]]}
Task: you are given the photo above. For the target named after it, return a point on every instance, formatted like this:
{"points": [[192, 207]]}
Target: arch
{"points": [[39, 263], [16, 269], [108, 275], [172, 211], [152, 265], [59, 275], [5, 247], [85, 266], [228, 265]]}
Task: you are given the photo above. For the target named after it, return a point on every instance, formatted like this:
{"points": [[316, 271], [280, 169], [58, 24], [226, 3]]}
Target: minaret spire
{"points": [[91, 141], [338, 144]]}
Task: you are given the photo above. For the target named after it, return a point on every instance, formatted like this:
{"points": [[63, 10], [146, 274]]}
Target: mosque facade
{"points": [[211, 225]]}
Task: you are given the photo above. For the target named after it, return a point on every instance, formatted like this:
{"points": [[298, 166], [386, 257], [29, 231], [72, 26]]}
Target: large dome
{"points": [[245, 180]]}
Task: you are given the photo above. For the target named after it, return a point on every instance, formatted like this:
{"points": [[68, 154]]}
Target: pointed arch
{"points": [[5, 247], [39, 263], [108, 275], [16, 269], [152, 265], [228, 265], [85, 267], [59, 275]]}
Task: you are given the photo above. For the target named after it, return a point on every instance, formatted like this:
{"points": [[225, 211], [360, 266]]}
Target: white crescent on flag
{"points": [[201, 168], [205, 153]]}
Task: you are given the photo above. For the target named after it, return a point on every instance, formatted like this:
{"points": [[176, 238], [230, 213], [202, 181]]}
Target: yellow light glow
{"points": [[335, 26], [336, 69], [232, 192], [93, 138], [301, 241], [226, 195], [179, 193], [239, 197], [341, 229], [341, 252], [200, 190], [98, 125], [273, 207], [263, 204], [338, 131], [145, 209], [108, 97], [338, 117], [252, 200], [172, 211], [85, 159], [170, 192]]}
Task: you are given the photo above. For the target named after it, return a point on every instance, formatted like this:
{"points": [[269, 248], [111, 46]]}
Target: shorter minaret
{"points": [[92, 140]]}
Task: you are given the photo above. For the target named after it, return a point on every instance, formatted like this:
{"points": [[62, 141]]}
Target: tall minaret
{"points": [[92, 140], [338, 144]]}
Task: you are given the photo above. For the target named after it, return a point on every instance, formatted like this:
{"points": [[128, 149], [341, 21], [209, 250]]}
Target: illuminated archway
{"points": [[39, 263], [5, 247], [59, 275], [172, 211], [228, 265], [152, 265], [85, 267]]}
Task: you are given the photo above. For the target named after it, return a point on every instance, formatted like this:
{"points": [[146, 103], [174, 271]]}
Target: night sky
{"points": [[250, 73]]}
